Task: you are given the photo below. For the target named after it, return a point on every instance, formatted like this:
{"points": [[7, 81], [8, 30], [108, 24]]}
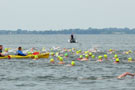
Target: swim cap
{"points": [[116, 56], [61, 58], [52, 53], [43, 49], [93, 56], [80, 51], [130, 51], [6, 49], [100, 57], [105, 56], [66, 54], [127, 52], [117, 60], [36, 56], [51, 60], [86, 56], [110, 50], [86, 52], [29, 53], [70, 50], [130, 59], [57, 53], [73, 63], [90, 53], [81, 56]]}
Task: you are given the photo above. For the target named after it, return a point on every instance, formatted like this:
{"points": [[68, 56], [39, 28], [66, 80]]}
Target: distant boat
{"points": [[72, 41]]}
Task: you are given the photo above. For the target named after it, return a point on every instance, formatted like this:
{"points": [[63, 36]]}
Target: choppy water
{"points": [[90, 75]]}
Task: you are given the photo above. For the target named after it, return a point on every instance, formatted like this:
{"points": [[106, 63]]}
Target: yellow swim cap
{"points": [[100, 57], [51, 60], [110, 50], [43, 49], [117, 60], [29, 53], [130, 51], [105, 56], [93, 56], [61, 58], [116, 56], [6, 49], [52, 53], [130, 59], [90, 53], [86, 56], [73, 63], [81, 56], [86, 52], [36, 56]]}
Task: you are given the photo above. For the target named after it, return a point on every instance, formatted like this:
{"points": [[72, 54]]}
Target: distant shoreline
{"points": [[92, 31]]}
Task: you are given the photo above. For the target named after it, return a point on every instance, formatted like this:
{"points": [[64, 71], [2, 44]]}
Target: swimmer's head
{"points": [[129, 59], [93, 56], [52, 53], [86, 56], [36, 57], [110, 50], [29, 53], [73, 63], [100, 57], [115, 56], [61, 59], [66, 54], [6, 49], [130, 51], [117, 60], [90, 54], [105, 56], [81, 56], [52, 60]]}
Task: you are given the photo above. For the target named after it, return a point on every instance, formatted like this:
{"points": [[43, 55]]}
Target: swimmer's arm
{"points": [[125, 74]]}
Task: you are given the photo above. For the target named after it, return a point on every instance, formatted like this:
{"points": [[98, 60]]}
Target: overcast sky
{"points": [[65, 14]]}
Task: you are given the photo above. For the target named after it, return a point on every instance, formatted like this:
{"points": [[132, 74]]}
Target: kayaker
{"points": [[72, 36], [1, 48], [72, 39], [19, 52]]}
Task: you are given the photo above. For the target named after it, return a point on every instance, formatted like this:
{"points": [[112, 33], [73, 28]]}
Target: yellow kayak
{"points": [[43, 55]]}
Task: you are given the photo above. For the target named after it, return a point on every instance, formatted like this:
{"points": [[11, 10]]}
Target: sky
{"points": [[65, 14]]}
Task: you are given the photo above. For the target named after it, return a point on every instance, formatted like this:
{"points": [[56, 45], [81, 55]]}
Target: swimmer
{"points": [[106, 57], [125, 74], [81, 57], [52, 53], [35, 57], [61, 60], [115, 56], [93, 56], [100, 58], [72, 63], [52, 61], [130, 59], [90, 54], [117, 60], [66, 55], [86, 58]]}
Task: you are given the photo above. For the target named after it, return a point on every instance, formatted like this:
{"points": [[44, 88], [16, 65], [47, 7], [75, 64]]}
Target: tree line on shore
{"points": [[69, 31]]}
